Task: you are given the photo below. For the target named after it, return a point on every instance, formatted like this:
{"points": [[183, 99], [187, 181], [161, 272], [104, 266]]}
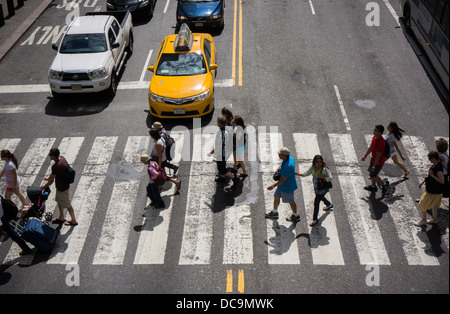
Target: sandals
{"points": [[405, 175], [313, 223]]}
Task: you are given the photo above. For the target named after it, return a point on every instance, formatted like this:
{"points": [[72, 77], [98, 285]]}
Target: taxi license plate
{"points": [[75, 87], [178, 111], [198, 24]]}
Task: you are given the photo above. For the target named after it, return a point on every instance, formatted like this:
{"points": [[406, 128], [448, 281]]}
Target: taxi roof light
{"points": [[184, 40]]}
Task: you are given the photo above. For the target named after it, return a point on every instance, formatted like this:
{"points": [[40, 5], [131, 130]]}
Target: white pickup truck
{"points": [[91, 54]]}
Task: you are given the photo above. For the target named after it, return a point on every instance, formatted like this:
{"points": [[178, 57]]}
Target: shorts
{"points": [[62, 199], [285, 197], [374, 174]]}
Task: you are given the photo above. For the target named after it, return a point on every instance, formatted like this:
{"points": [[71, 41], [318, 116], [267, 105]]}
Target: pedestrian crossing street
{"points": [[116, 158]]}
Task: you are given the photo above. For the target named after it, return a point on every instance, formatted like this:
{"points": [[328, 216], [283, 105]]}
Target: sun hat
{"points": [[145, 158], [157, 125]]}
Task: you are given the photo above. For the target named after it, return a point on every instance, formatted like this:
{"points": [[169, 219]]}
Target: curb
{"points": [[15, 36]]}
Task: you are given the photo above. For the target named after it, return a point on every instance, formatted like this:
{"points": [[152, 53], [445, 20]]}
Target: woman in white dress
{"points": [[12, 177]]}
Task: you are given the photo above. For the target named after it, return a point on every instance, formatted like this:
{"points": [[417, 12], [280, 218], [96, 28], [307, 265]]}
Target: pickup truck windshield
{"points": [[84, 43], [179, 64]]}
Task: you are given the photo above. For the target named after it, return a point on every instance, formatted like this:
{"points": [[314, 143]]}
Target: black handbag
{"points": [[323, 184], [276, 176]]}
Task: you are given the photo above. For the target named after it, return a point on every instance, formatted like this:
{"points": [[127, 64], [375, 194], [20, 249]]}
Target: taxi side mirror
{"points": [[151, 68], [213, 67]]}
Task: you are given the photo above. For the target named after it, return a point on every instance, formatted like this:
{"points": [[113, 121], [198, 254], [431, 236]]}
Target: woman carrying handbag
{"points": [[322, 183], [434, 187]]}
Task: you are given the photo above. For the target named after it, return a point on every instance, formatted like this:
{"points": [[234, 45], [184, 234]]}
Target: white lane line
{"points": [[312, 7], [166, 7], [45, 88], [341, 105], [144, 71], [391, 9]]}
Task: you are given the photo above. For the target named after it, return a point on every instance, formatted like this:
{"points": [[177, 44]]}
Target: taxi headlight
{"points": [[202, 96], [55, 75], [155, 98], [97, 73], [182, 17]]}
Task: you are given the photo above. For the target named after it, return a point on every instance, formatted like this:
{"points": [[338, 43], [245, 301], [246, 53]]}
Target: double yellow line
{"points": [[235, 30], [241, 281]]}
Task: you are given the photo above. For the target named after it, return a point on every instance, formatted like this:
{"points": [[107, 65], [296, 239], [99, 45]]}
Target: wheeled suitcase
{"points": [[39, 234]]}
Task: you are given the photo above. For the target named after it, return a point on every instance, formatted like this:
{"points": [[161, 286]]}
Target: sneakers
{"points": [[294, 218], [272, 215], [275, 215], [371, 188]]}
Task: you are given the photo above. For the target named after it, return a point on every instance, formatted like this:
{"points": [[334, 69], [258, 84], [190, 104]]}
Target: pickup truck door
{"points": [[115, 52]]}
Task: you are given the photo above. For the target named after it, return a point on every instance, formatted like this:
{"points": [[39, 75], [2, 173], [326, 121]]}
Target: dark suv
{"points": [[143, 7], [201, 13]]}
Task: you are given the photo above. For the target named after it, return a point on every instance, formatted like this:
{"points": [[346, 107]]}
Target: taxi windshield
{"points": [[179, 64], [84, 43]]}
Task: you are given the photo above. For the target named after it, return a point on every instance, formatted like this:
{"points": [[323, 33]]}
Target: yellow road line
{"points": [[233, 63], [240, 42], [237, 17], [229, 281], [241, 281]]}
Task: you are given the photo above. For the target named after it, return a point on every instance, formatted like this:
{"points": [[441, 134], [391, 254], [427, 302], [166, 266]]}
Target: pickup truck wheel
{"points": [[113, 86]]}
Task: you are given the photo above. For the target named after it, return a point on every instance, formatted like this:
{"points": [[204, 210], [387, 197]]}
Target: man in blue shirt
{"points": [[285, 186]]}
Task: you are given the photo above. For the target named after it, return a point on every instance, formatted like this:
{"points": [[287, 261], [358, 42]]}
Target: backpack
{"points": [[10, 209], [169, 142], [161, 178], [69, 176]]}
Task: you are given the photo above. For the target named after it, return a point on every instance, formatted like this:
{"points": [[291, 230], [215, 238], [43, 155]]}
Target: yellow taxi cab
{"points": [[182, 85]]}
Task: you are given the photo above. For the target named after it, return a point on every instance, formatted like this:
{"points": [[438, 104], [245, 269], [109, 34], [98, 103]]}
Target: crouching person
{"points": [[153, 190]]}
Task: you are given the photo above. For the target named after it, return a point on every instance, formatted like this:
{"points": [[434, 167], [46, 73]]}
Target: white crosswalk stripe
{"points": [[237, 233], [365, 230], [416, 244], [324, 239]]}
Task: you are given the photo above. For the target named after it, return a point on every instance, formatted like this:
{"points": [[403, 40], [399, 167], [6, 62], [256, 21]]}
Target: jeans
{"points": [[14, 236], [154, 194], [317, 200]]}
